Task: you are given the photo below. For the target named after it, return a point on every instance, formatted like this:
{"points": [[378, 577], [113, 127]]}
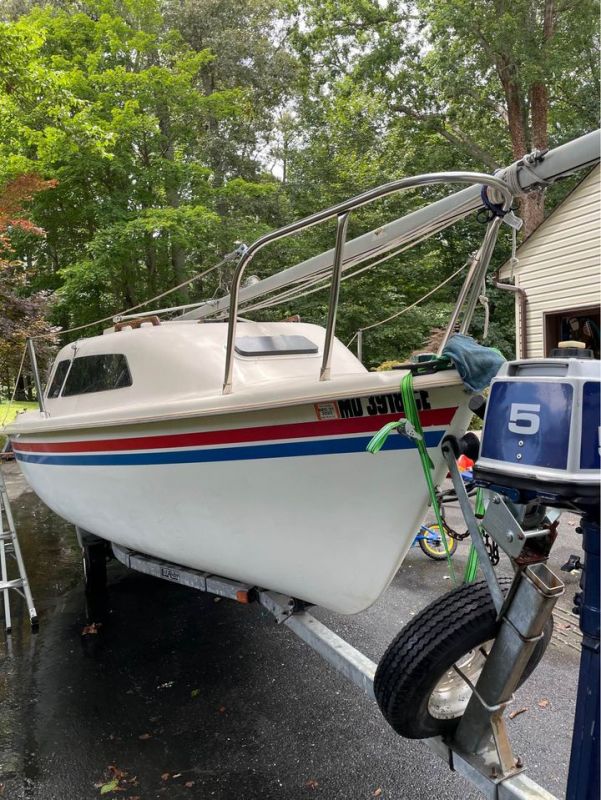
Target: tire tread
{"points": [[406, 667]]}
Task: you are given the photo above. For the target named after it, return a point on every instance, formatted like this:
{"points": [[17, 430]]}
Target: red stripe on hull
{"points": [[295, 430]]}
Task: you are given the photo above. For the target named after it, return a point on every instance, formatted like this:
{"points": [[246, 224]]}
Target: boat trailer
{"points": [[515, 518], [480, 750], [493, 771]]}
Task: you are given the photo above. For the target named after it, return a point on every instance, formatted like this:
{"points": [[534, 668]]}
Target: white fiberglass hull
{"points": [[286, 499]]}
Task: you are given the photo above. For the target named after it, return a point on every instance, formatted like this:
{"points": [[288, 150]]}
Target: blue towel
{"points": [[476, 364]]}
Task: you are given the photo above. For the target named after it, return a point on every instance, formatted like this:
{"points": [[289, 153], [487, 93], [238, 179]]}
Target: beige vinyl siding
{"points": [[560, 264]]}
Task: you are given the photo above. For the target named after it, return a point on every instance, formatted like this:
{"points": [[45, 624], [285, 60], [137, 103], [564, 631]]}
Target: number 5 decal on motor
{"points": [[524, 418]]}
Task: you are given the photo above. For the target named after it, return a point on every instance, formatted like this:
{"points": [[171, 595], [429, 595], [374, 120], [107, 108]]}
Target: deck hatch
{"points": [[275, 346]]}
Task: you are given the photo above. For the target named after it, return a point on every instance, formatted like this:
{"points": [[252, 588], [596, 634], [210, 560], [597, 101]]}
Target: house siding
{"points": [[560, 264]]}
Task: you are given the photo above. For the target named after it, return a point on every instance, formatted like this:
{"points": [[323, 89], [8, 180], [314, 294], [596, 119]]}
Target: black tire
{"points": [[437, 553], [94, 566], [460, 621], [94, 558]]}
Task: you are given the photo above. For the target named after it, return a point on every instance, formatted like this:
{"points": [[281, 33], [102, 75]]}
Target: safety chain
{"points": [[459, 537], [492, 548]]}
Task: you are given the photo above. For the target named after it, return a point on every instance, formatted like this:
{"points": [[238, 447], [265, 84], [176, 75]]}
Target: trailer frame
{"points": [[483, 770]]}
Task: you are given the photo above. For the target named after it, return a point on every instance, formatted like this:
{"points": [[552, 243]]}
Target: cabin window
{"points": [[274, 346], [97, 374], [58, 378]]}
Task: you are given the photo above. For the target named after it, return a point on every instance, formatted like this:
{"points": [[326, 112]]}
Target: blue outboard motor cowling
{"points": [[541, 432]]}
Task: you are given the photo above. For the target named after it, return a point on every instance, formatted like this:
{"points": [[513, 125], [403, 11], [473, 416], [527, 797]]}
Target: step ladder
{"points": [[9, 549]]}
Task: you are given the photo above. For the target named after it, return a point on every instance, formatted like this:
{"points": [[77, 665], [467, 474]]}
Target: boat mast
{"points": [[558, 163]]}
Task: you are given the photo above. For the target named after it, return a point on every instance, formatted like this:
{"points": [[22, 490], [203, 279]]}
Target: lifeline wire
{"points": [[226, 259], [265, 304], [133, 308], [322, 275], [420, 234], [321, 278], [408, 308]]}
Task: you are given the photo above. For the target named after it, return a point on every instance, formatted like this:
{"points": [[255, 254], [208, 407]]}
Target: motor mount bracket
{"points": [[501, 524]]}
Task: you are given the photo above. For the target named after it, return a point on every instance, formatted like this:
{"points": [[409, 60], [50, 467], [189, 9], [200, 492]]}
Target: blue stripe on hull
{"points": [[279, 450]]}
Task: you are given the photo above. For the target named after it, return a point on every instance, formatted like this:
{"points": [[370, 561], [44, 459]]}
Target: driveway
{"points": [[181, 695]]}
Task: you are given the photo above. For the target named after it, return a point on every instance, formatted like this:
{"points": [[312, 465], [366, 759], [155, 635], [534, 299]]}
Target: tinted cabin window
{"points": [[97, 374], [59, 377]]}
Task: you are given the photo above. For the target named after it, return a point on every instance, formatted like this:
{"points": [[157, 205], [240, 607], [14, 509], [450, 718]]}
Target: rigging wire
{"points": [[14, 394], [268, 303], [293, 293], [413, 305], [299, 292], [419, 234], [139, 305]]}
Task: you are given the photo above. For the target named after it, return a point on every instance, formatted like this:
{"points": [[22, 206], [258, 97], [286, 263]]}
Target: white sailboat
{"points": [[238, 447]]}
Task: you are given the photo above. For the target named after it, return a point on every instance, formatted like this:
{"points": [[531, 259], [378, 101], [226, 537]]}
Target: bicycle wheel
{"points": [[432, 544]]}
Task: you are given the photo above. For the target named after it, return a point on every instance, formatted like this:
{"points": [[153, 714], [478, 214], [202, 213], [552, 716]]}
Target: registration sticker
{"points": [[327, 411]]}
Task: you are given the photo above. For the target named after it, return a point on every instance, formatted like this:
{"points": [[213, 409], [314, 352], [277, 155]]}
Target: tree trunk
{"points": [[21, 389], [151, 262], [532, 211], [285, 161], [516, 114], [533, 206]]}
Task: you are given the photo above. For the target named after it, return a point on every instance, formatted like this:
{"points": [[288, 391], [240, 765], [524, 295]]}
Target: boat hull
{"points": [[285, 499]]}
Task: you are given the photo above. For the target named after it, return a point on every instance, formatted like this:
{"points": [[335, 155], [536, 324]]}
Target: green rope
{"points": [[413, 428], [479, 510], [471, 568]]}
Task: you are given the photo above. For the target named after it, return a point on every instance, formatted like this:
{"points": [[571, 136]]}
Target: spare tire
{"points": [[417, 689]]}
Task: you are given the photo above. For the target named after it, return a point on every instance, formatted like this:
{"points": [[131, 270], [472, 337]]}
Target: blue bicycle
{"points": [[431, 543]]}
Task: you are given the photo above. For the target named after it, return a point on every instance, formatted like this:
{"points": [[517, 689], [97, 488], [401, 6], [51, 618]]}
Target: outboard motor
{"points": [[540, 447], [541, 433]]}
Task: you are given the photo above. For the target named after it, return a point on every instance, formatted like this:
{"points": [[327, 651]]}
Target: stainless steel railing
{"points": [[470, 290]]}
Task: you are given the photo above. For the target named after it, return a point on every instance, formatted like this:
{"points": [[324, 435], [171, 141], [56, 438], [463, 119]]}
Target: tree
{"points": [[22, 313], [129, 127], [248, 41], [492, 80], [161, 120], [537, 57]]}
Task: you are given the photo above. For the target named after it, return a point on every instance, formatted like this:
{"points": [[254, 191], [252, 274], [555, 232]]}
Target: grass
{"points": [[9, 412]]}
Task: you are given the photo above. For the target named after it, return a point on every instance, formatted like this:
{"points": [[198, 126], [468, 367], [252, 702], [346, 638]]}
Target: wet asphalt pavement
{"points": [[182, 696]]}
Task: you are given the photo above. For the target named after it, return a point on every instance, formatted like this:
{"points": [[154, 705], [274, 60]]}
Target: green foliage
{"points": [[176, 128], [8, 411], [127, 124]]}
